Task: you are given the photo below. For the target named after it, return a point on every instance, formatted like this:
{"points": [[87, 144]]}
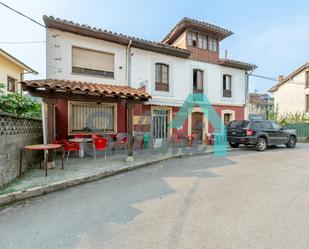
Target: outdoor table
{"points": [[42, 147], [81, 142]]}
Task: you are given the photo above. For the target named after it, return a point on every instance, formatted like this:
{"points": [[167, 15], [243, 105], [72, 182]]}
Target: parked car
{"points": [[260, 133]]}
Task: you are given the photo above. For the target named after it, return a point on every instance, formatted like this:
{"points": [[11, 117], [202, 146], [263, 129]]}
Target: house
{"points": [[12, 71], [260, 105], [159, 75], [291, 93]]}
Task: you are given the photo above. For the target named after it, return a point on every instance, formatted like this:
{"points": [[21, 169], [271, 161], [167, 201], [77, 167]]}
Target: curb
{"points": [[10, 198]]}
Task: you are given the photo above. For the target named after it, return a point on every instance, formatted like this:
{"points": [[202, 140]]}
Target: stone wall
{"points": [[16, 132]]}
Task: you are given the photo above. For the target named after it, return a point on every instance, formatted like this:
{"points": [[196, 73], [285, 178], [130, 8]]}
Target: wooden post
{"points": [[129, 107], [50, 122]]}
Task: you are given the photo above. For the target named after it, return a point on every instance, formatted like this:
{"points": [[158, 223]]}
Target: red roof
{"points": [[101, 89]]}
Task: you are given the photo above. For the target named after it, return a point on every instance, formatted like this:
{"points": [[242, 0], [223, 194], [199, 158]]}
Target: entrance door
{"points": [[227, 118], [160, 127], [197, 125]]}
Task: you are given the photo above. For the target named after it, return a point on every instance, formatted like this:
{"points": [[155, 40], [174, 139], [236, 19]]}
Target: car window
{"points": [[267, 125], [276, 126], [238, 124], [256, 125]]}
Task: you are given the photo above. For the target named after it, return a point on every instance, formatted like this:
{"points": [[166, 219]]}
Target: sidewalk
{"points": [[82, 170]]}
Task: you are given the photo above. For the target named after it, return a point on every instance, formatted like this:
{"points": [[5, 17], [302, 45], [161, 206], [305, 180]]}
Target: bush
{"points": [[287, 118], [19, 104]]}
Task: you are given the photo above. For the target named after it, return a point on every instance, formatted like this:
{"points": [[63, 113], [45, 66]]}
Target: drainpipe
{"points": [[129, 63], [247, 92]]}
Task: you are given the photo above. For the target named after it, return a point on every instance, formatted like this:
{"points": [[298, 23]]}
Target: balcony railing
{"points": [[196, 90], [227, 93], [162, 87]]}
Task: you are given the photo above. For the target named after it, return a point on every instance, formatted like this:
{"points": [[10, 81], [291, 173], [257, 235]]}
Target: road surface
{"points": [[248, 200]]}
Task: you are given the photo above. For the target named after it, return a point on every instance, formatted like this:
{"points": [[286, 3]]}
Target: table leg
{"points": [[62, 152], [21, 161], [40, 158], [46, 162], [81, 151]]}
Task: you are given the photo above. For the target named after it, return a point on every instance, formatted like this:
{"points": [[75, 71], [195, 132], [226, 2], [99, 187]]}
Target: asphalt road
{"points": [[248, 200]]}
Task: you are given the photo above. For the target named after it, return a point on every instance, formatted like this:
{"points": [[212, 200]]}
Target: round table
{"points": [[42, 147], [81, 142]]}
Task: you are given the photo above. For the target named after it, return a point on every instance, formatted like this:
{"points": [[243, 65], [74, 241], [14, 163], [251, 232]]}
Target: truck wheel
{"points": [[261, 144], [291, 143], [234, 145]]}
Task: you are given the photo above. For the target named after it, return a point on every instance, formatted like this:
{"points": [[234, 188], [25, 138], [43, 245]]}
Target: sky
{"points": [[270, 34]]}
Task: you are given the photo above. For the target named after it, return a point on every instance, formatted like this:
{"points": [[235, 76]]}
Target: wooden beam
{"points": [[50, 122], [129, 107]]}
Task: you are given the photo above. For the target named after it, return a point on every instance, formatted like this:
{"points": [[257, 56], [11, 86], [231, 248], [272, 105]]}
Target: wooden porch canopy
{"points": [[82, 91], [51, 90]]}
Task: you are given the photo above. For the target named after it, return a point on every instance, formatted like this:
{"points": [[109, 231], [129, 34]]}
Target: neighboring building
{"points": [[260, 105], [291, 93], [12, 71], [185, 62]]}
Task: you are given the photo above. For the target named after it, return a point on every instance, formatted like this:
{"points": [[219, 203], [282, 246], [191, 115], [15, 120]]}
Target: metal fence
{"points": [[302, 130]]}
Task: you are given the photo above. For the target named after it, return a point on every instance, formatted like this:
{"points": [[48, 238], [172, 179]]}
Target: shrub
{"points": [[19, 104]]}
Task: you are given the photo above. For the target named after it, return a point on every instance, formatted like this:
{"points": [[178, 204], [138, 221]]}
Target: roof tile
{"points": [[105, 89]]}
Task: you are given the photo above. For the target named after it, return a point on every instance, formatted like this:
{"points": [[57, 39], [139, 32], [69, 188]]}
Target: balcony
{"points": [[227, 93], [198, 94], [162, 87]]}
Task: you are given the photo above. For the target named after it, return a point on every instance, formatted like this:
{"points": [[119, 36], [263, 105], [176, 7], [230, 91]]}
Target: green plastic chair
{"points": [[146, 140]]}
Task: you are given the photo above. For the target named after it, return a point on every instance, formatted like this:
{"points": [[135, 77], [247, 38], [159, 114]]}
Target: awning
{"points": [[66, 89]]}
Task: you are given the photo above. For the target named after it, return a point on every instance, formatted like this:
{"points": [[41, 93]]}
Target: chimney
{"points": [[280, 78]]}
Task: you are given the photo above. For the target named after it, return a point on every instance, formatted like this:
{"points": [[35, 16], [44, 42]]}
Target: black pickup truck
{"points": [[260, 133]]}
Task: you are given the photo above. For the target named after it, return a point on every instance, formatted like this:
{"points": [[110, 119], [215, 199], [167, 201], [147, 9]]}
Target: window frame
{"points": [[213, 44], [202, 40], [160, 85], [70, 116], [191, 40], [11, 79], [307, 103], [196, 89], [89, 71], [227, 93]]}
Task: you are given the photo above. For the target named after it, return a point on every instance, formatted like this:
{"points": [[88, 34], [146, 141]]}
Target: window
{"points": [[213, 44], [307, 103], [91, 62], [11, 84], [307, 79], [227, 86], [266, 125], [192, 39], [276, 126], [92, 117], [238, 124], [202, 41], [162, 77], [197, 80]]}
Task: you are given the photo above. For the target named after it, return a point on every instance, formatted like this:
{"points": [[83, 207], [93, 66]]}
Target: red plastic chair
{"points": [[177, 139], [100, 144], [191, 139], [210, 139], [59, 141], [96, 136], [70, 146], [79, 135]]}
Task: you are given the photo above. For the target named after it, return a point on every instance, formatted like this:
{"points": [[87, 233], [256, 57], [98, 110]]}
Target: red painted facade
{"points": [[239, 113], [139, 110]]}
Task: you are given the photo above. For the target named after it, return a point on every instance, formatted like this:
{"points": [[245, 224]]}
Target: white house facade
{"points": [[291, 93], [185, 62]]}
